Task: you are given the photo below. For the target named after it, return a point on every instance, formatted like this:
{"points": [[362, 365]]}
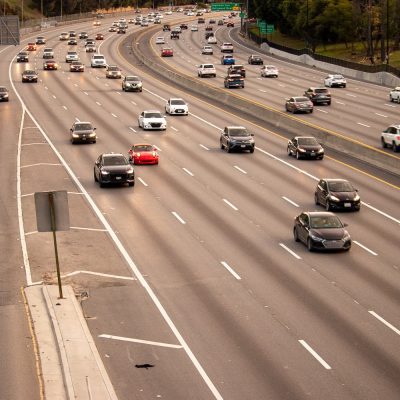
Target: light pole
{"points": [[22, 12], [387, 32]]}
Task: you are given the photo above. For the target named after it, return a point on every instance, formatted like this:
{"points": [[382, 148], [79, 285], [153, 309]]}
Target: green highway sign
{"points": [[225, 6], [243, 15], [270, 28]]}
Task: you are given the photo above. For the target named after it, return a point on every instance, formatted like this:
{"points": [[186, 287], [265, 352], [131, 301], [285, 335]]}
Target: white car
{"points": [[144, 22], [269, 71], [64, 36], [48, 52], [90, 48], [177, 29], [153, 120], [194, 28], [394, 94], [160, 40], [390, 137], [335, 80], [205, 70], [176, 106], [227, 47], [207, 50], [212, 40], [98, 61], [168, 12], [71, 56]]}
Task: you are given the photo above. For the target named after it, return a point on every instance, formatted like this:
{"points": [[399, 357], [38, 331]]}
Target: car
{"points": [[83, 35], [194, 28], [237, 69], [201, 21], [299, 104], [72, 42], [220, 22], [112, 29], [29, 75], [227, 60], [113, 72], [394, 94], [40, 40], [76, 66], [321, 231], [90, 41], [337, 194], [390, 137], [144, 22], [305, 147], [318, 95], [227, 47], [205, 70], [177, 107], [64, 36], [48, 52], [99, 36], [166, 27], [22, 56], [72, 34], [143, 153], [207, 50], [212, 21], [174, 35], [177, 29], [90, 48], [115, 24], [131, 21], [96, 23], [160, 40], [335, 80], [255, 59], [234, 81], [71, 56], [132, 83], [269, 71], [83, 132], [236, 138], [152, 120], [3, 93], [212, 40], [121, 30], [183, 26], [50, 64], [98, 61], [167, 52], [209, 28], [230, 24], [113, 168], [31, 47]]}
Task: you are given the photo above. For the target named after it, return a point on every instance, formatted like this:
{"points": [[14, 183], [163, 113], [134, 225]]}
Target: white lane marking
{"points": [[388, 324], [106, 84], [99, 104], [381, 212], [64, 107], [365, 248], [143, 182], [315, 354], [96, 76], [350, 95], [262, 90], [33, 144], [290, 201], [123, 252], [39, 164], [87, 94], [382, 115], [127, 278], [133, 103], [176, 130], [323, 111], [54, 97], [339, 102], [225, 264], [359, 123], [188, 172], [240, 169], [76, 119], [290, 251], [126, 339], [75, 84], [114, 115], [80, 228], [230, 204], [133, 130], [390, 105], [30, 233], [204, 147], [118, 93], [157, 147], [177, 216], [46, 88]]}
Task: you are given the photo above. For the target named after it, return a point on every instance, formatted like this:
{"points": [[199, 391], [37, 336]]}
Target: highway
{"points": [[223, 303]]}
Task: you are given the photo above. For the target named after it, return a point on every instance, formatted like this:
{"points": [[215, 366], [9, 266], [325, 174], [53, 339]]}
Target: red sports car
{"points": [[167, 52], [50, 64], [31, 47], [143, 154], [99, 36]]}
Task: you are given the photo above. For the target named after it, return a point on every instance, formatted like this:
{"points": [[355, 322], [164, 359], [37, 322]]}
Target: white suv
{"points": [[48, 52], [98, 61], [390, 137], [152, 120], [335, 80], [71, 56], [394, 94], [205, 70], [227, 48]]}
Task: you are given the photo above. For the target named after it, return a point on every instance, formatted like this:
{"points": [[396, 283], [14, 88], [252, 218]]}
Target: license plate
{"points": [[242, 145], [179, 111], [347, 204], [117, 178]]}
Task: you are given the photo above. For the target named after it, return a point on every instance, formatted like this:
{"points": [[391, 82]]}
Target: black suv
{"points": [[254, 59], [3, 93], [337, 194], [111, 168], [237, 69], [236, 138], [318, 95]]}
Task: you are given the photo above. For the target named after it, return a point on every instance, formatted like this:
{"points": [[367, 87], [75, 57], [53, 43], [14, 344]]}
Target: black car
{"points": [[3, 93], [305, 147], [212, 21], [236, 138], [318, 95], [254, 59], [22, 56], [337, 194], [321, 231], [29, 75], [83, 132], [72, 42], [208, 34], [83, 35], [237, 69], [183, 26], [174, 35], [111, 168]]}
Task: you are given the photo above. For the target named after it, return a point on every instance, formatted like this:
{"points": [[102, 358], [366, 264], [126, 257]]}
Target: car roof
{"points": [[304, 137], [176, 98], [320, 214], [152, 111], [334, 180], [142, 144], [112, 154], [82, 122]]}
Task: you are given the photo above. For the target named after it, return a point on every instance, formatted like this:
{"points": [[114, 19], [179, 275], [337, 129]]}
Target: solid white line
{"points": [[350, 95], [231, 270], [367, 126], [261, 90], [88, 229], [339, 102], [176, 130], [46, 88], [365, 248], [176, 215], [204, 147], [99, 104], [118, 93], [143, 182], [240, 169], [125, 339], [76, 119], [290, 251], [114, 115], [128, 278], [75, 84], [132, 129], [187, 171], [290, 201], [315, 354], [323, 111], [382, 115], [38, 164], [65, 108], [388, 324], [230, 204], [32, 144]]}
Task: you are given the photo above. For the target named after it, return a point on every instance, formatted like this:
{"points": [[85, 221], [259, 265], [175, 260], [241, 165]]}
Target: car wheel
{"points": [[297, 155], [251, 150], [316, 199], [289, 152], [131, 184], [95, 178], [384, 145], [327, 205], [309, 245], [222, 145], [395, 148], [329, 103], [228, 149], [311, 111], [344, 86], [295, 235]]}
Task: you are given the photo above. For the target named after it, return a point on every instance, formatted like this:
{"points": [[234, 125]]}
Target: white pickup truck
{"points": [[205, 70], [394, 94]]}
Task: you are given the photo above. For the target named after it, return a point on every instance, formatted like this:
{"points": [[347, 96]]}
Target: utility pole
{"points": [[387, 32], [22, 12]]}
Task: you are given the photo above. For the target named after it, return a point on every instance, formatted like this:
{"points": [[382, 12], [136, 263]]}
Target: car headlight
{"points": [[301, 150], [130, 171], [346, 236], [316, 238], [333, 198], [75, 135], [6, 95], [356, 197], [92, 134], [128, 84], [105, 173], [321, 150]]}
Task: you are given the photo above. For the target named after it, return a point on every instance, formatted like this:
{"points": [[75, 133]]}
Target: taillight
{"points": [[398, 137]]}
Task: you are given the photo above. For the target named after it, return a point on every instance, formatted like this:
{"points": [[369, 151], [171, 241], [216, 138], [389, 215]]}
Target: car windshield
{"points": [[341, 186], [112, 68], [48, 49], [3, 89], [76, 63], [83, 127], [98, 57], [337, 77], [301, 99], [270, 67], [132, 78], [321, 90], [23, 53], [178, 102], [71, 53], [307, 141], [238, 132], [114, 160], [208, 66], [142, 147], [29, 72], [152, 115], [325, 221]]}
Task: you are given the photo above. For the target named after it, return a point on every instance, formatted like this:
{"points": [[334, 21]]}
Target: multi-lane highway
{"points": [[224, 304]]}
